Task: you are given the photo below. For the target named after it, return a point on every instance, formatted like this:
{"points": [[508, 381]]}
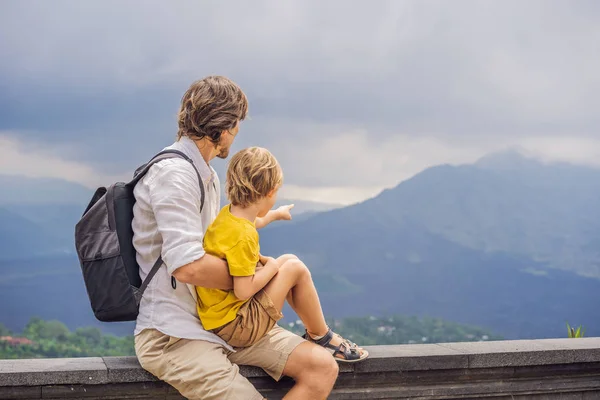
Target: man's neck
{"points": [[207, 149]]}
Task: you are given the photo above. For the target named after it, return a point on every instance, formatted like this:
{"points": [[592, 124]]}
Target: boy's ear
{"points": [[272, 193]]}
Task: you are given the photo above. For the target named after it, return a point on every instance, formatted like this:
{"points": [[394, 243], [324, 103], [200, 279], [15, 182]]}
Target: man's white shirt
{"points": [[167, 222]]}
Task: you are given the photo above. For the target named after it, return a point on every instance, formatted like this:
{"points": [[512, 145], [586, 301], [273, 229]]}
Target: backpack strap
{"points": [[163, 155], [146, 282], [139, 174]]}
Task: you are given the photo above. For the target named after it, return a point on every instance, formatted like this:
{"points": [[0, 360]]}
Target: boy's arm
{"points": [[242, 259], [245, 287], [282, 213]]}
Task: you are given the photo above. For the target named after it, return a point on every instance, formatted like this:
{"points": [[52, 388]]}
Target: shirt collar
{"points": [[189, 148]]}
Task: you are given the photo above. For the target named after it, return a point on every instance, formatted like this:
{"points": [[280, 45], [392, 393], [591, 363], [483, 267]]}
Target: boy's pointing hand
{"points": [[283, 212]]}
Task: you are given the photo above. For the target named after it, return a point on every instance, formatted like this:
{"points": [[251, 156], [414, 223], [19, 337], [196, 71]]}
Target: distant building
{"points": [[15, 341]]}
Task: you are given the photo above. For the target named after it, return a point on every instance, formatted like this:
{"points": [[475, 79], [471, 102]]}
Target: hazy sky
{"points": [[351, 96]]}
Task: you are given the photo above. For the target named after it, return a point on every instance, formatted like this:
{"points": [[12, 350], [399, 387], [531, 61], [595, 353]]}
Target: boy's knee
{"points": [[286, 257], [296, 267]]}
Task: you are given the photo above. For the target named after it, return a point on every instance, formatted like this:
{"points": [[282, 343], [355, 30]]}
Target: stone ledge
{"points": [[429, 371], [53, 371], [520, 353]]}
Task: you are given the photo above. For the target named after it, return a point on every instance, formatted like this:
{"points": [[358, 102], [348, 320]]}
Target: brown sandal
{"points": [[349, 351]]}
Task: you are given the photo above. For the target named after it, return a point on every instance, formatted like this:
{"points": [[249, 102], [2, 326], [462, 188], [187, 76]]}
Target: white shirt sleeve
{"points": [[175, 200]]}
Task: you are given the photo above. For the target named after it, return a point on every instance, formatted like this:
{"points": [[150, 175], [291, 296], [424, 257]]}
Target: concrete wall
{"points": [[527, 369]]}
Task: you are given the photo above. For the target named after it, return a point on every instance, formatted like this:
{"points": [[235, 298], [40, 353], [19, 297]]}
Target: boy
{"points": [[245, 314]]}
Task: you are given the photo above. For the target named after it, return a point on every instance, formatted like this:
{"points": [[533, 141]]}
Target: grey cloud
{"points": [[109, 74]]}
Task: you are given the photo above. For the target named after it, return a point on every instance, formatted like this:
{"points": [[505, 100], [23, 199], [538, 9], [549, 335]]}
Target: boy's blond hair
{"points": [[251, 175]]}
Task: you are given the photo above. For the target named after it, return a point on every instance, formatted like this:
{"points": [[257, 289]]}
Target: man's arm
{"points": [[175, 201], [282, 213], [209, 272]]}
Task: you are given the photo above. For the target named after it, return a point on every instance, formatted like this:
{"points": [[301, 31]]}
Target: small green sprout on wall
{"points": [[575, 333]]}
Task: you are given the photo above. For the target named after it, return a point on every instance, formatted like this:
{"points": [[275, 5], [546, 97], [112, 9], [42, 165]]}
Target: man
{"points": [[170, 341]]}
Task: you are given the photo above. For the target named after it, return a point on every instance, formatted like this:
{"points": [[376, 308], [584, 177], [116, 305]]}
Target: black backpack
{"points": [[103, 240]]}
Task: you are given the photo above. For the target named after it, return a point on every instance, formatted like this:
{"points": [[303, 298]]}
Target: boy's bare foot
{"points": [[342, 349]]}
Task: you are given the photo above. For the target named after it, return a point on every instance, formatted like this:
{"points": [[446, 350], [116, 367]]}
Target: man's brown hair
{"points": [[251, 175], [209, 107]]}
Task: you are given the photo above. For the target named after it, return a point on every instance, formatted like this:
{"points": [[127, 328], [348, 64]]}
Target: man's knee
{"points": [[323, 366], [327, 366]]}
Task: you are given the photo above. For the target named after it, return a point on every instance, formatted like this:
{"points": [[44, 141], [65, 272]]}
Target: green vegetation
{"points": [[43, 339], [575, 333], [4, 330], [53, 339], [402, 330]]}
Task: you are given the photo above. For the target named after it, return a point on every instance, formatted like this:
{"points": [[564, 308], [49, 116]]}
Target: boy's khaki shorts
{"points": [[254, 320]]}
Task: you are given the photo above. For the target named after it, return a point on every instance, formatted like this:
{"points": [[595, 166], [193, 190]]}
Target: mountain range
{"points": [[507, 243], [38, 215]]}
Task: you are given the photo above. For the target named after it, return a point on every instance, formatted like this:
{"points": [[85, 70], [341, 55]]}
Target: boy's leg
{"points": [[293, 280], [196, 368], [283, 259]]}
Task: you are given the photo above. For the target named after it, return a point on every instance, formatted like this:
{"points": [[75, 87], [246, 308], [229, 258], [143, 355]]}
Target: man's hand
{"points": [[283, 213]]}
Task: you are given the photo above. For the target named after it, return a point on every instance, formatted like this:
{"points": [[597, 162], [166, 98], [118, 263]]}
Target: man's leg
{"points": [[196, 368], [281, 352]]}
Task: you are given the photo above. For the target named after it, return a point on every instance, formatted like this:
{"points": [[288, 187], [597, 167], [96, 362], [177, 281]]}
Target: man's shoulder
{"points": [[170, 169]]}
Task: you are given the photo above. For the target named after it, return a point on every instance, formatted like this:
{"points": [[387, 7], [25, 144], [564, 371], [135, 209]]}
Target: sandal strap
{"points": [[349, 353], [351, 344], [321, 341], [346, 348], [324, 341]]}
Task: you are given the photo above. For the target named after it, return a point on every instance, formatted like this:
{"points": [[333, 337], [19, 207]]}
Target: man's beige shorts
{"points": [[202, 370], [254, 319]]}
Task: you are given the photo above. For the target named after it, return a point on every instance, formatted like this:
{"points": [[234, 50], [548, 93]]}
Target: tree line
{"points": [[49, 339]]}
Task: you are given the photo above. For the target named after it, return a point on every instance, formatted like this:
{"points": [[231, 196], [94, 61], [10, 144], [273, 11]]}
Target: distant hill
{"points": [[497, 244], [25, 190], [302, 208], [38, 216], [364, 262], [508, 244], [50, 287], [508, 203]]}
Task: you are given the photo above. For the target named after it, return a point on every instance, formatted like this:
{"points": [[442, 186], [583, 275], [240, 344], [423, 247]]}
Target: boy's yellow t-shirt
{"points": [[235, 240]]}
